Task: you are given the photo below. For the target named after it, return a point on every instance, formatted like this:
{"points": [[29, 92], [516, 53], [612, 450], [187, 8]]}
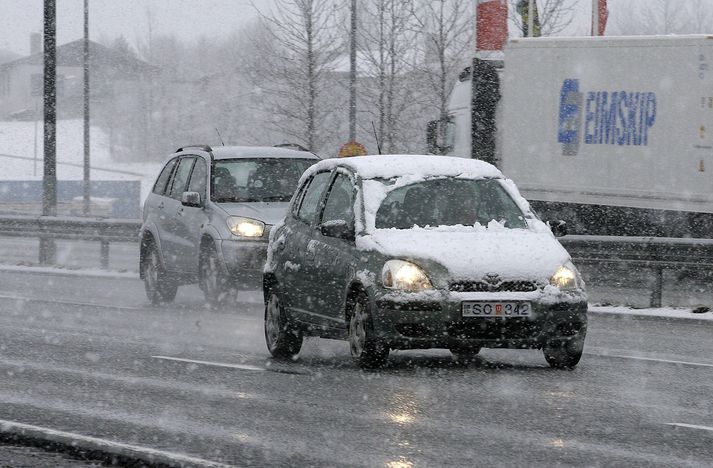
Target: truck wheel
{"points": [[564, 354], [214, 282], [283, 340], [159, 287], [368, 352]]}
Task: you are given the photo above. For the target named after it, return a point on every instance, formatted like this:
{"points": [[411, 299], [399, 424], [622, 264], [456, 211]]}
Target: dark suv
{"points": [[209, 214]]}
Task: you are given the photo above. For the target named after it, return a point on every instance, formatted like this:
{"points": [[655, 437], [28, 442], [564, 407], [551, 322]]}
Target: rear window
{"points": [[256, 180]]}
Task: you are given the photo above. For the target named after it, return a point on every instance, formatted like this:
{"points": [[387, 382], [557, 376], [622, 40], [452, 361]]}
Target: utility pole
{"points": [[353, 74], [87, 188], [531, 18], [48, 251]]}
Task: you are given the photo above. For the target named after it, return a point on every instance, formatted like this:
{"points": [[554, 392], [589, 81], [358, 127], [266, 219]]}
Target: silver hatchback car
{"points": [[208, 217]]}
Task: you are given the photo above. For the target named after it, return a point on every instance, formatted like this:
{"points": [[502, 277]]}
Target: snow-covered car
{"points": [[208, 217], [412, 252]]}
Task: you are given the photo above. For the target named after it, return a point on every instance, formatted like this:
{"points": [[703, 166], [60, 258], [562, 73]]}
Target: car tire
{"points": [[564, 354], [283, 340], [159, 286], [465, 354], [367, 351], [214, 282]]}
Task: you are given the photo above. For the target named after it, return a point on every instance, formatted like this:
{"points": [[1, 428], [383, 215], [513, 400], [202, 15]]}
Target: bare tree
{"points": [[387, 34], [447, 41], [555, 15], [657, 17], [299, 49]]}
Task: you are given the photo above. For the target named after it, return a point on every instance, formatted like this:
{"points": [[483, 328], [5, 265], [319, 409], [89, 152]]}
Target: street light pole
{"points": [[353, 75], [49, 180], [87, 188]]}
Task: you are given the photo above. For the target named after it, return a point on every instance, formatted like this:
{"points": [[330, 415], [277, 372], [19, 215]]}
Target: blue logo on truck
{"points": [[621, 118]]}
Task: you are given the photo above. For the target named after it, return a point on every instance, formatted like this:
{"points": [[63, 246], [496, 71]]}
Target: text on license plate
{"points": [[496, 309]]}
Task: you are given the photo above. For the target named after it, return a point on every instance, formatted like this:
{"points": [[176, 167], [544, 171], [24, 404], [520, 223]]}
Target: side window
{"points": [[198, 178], [159, 187], [310, 202], [340, 201], [180, 177]]}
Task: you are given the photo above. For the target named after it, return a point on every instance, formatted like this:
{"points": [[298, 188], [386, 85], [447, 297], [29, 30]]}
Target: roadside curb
{"points": [[86, 273], [94, 449], [705, 318]]}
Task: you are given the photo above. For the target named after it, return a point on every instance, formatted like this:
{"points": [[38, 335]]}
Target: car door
{"points": [[335, 260], [173, 235], [190, 220], [300, 250]]}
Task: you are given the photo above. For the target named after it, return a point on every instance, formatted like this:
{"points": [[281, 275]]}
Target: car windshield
{"points": [[256, 180], [449, 202]]}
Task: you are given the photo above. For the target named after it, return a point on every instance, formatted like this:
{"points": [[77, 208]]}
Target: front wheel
{"points": [[564, 354], [159, 287], [368, 352], [282, 339], [214, 282]]}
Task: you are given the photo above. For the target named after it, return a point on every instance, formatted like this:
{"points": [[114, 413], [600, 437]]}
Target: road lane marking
{"points": [[232, 366], [94, 443], [64, 302], [641, 358], [214, 364], [691, 426]]}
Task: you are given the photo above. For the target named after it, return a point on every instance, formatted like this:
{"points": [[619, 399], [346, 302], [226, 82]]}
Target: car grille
{"points": [[482, 286]]}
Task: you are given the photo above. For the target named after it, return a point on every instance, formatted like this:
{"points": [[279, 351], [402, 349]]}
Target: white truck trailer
{"points": [[614, 134]]}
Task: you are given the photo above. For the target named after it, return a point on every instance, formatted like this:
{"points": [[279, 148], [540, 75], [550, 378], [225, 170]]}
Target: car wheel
{"points": [[367, 351], [158, 285], [283, 340], [213, 281], [465, 354], [564, 354]]}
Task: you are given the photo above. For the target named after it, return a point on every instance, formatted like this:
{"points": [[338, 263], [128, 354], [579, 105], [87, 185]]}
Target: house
{"points": [[113, 76]]}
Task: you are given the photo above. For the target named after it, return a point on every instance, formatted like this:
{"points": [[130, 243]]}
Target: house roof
{"points": [[72, 55]]}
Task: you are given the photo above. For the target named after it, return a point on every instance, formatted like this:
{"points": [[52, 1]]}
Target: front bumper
{"points": [[438, 323], [244, 261]]}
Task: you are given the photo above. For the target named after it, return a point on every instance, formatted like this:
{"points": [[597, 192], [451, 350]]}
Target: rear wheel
{"points": [[368, 351], [283, 340], [214, 282], [564, 354], [159, 287]]}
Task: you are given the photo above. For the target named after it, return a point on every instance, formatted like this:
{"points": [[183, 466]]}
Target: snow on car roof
{"points": [[231, 152], [388, 166]]}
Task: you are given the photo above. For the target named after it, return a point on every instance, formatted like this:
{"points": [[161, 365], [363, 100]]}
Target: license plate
{"points": [[496, 309]]}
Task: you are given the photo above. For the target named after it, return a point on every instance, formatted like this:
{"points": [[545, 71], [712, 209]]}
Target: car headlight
{"points": [[567, 278], [245, 227], [399, 274]]}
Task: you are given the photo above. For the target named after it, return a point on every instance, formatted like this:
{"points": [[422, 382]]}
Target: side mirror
{"points": [[558, 227], [437, 132], [191, 199], [339, 229]]}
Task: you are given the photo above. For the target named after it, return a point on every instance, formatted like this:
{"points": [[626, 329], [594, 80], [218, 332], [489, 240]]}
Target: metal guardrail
{"points": [[102, 230], [655, 253]]}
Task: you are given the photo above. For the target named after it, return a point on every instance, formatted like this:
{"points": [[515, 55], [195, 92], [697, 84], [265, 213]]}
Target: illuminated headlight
{"points": [[246, 227], [399, 274], [567, 278]]}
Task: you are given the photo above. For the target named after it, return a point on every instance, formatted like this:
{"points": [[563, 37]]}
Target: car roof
{"points": [[388, 166], [235, 152]]}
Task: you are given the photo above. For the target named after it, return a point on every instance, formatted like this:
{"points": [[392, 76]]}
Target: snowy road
{"points": [[89, 356]]}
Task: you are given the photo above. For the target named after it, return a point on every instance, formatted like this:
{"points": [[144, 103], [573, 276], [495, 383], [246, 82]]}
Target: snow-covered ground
{"points": [[18, 139], [662, 312]]}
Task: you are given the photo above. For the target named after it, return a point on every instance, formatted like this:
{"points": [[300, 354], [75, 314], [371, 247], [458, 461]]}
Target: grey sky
{"points": [[112, 18]]}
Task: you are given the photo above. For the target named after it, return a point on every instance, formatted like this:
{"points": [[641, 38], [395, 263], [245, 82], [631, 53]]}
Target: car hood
{"points": [[512, 254], [267, 212]]}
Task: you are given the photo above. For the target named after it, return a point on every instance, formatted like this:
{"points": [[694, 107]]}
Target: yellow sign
{"points": [[352, 148]]}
